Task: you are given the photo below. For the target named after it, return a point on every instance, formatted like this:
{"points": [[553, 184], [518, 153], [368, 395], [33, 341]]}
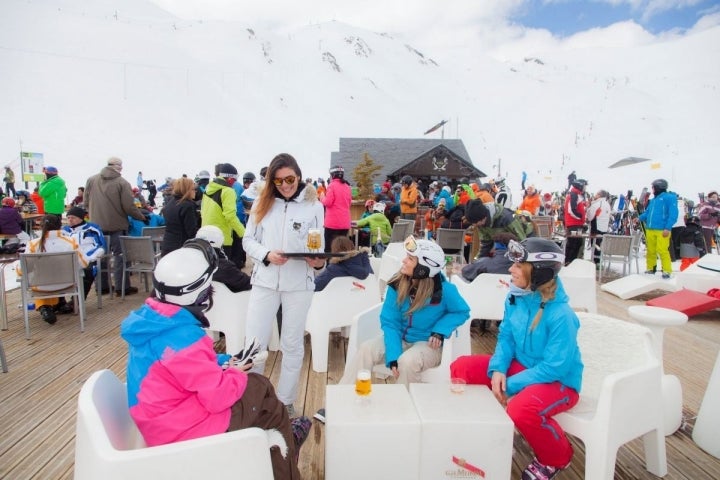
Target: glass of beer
{"points": [[363, 385], [314, 241]]}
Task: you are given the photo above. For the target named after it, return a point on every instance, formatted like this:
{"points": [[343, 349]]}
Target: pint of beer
{"points": [[363, 383], [314, 241]]}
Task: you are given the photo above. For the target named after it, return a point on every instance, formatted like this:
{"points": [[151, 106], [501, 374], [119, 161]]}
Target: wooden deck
{"points": [[38, 397]]}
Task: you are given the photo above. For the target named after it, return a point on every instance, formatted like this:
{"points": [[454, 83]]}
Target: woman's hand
{"points": [[315, 262], [395, 372], [434, 342], [499, 387], [276, 257]]}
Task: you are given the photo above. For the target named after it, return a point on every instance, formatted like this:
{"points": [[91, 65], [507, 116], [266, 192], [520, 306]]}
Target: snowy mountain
{"points": [[83, 81]]}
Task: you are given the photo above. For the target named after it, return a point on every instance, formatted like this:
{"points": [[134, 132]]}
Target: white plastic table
{"points": [[374, 441], [463, 434], [657, 319]]}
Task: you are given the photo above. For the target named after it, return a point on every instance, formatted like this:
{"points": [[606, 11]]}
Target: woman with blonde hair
{"points": [[181, 216], [279, 222], [421, 309], [536, 370]]}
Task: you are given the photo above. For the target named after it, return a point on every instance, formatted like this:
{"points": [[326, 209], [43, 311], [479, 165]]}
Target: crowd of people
{"points": [[216, 227]]}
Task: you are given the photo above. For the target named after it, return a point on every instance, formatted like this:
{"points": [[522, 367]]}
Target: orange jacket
{"points": [[531, 203], [408, 199]]}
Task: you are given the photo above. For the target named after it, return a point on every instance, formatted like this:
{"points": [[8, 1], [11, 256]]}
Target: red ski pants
{"points": [[532, 409]]}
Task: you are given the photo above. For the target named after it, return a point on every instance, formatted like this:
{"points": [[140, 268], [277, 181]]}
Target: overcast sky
{"points": [[433, 25]]}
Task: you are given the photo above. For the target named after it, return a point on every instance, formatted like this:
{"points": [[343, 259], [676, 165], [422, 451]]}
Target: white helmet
{"points": [[431, 258], [379, 207], [212, 234], [183, 276]]}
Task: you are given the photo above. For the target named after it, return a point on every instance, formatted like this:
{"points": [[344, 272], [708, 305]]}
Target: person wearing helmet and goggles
{"points": [[421, 309], [178, 387], [659, 218], [536, 370]]}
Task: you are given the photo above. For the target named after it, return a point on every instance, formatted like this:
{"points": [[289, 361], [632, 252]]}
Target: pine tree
{"points": [[364, 174]]}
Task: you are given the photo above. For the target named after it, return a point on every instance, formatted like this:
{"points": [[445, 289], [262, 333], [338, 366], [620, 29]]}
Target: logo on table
{"points": [[464, 470]]}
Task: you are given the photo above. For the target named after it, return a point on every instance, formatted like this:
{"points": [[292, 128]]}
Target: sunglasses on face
{"points": [[290, 179]]}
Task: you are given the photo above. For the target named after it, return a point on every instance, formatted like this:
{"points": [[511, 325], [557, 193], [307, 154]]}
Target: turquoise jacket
{"points": [[549, 353], [660, 214], [442, 313]]}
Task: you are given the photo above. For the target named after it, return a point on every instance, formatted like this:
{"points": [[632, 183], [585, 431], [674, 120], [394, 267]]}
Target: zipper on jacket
{"points": [[408, 327]]}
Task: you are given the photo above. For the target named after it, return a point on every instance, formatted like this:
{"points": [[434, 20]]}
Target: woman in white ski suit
{"points": [[278, 223]]}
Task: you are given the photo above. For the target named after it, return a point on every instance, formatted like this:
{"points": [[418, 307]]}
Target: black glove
{"points": [[715, 214], [147, 220]]}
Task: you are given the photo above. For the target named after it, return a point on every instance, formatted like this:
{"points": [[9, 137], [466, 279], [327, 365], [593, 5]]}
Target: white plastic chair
{"points": [[580, 285], [109, 446], [485, 296], [334, 307], [228, 315], [366, 326], [619, 399]]}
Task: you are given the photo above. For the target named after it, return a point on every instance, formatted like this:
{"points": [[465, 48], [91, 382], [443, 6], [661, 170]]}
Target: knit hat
{"points": [[475, 211], [115, 163], [78, 212], [51, 170], [8, 202]]}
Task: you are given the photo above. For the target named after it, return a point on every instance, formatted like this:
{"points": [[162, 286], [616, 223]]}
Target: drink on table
{"points": [[363, 383]]}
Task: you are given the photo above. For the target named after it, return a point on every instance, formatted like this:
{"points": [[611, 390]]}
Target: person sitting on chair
{"points": [[355, 263], [536, 370], [90, 240], [178, 387], [227, 273], [421, 309]]}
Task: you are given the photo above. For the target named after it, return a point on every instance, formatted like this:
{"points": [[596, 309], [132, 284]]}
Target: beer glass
{"points": [[314, 241], [363, 386]]}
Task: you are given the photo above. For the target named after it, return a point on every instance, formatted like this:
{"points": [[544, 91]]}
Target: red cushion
{"points": [[689, 302]]}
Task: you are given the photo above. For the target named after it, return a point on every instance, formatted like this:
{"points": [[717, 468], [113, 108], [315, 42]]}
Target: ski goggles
{"points": [[290, 179], [410, 244], [517, 253]]}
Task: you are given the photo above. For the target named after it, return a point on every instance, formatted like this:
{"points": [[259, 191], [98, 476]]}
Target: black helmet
{"points": [[248, 177], [692, 219], [406, 180], [579, 184], [545, 256], [660, 184], [226, 170], [337, 172]]}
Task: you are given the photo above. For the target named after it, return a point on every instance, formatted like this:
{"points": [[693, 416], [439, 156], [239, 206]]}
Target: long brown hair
{"points": [[264, 202], [50, 223], [184, 189], [547, 292], [404, 284]]}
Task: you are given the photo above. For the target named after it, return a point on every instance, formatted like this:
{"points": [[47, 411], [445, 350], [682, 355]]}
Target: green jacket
{"points": [[53, 192], [224, 217], [375, 221], [503, 220]]}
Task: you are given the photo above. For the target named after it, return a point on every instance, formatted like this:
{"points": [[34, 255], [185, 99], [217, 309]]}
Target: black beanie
{"points": [[476, 211], [77, 212]]}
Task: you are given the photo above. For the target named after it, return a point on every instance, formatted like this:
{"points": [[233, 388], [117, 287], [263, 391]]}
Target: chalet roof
{"points": [[441, 158]]}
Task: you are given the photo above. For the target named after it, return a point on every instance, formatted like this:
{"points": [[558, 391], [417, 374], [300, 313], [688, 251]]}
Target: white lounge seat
{"points": [[619, 395], [634, 285], [580, 285], [109, 446], [334, 307]]}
